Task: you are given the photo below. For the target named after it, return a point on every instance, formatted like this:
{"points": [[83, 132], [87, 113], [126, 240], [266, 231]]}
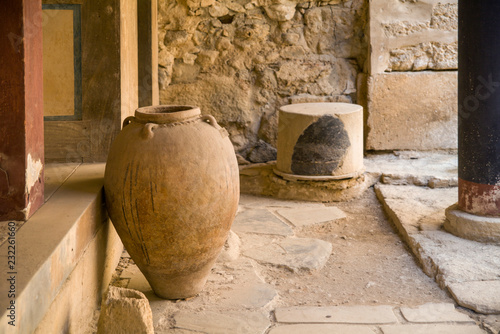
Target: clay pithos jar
{"points": [[172, 191]]}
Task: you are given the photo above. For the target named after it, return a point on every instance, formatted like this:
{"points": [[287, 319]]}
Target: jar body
{"points": [[172, 191]]}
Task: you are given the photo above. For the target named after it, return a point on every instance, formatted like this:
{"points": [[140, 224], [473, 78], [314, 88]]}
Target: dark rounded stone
{"points": [[321, 148]]}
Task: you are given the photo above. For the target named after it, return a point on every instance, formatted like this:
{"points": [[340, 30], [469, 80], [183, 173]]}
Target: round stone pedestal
{"points": [[472, 227], [320, 141]]}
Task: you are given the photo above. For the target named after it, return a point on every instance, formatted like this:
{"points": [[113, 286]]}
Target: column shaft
{"points": [[479, 107]]}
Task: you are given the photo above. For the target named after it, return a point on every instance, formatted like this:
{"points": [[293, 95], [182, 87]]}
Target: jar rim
{"points": [[167, 113]]}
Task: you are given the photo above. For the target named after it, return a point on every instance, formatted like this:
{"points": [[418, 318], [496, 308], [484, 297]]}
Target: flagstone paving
{"points": [[240, 297], [292, 267]]}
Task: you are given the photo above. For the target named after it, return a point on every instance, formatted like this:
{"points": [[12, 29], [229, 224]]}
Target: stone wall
{"points": [[413, 35], [240, 60], [412, 88]]}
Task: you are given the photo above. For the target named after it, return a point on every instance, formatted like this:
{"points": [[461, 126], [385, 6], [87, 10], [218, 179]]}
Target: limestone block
{"points": [[421, 28], [445, 16], [260, 222], [412, 111], [321, 329], [296, 254], [480, 296], [302, 217], [228, 323], [404, 28], [281, 12], [435, 312], [382, 314], [432, 328], [424, 56], [125, 311]]}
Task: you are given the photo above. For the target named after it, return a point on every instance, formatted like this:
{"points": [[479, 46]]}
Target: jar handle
{"points": [[213, 122], [127, 121], [147, 130]]}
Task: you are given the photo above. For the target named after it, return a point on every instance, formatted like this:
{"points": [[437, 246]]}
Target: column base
{"points": [[472, 227]]}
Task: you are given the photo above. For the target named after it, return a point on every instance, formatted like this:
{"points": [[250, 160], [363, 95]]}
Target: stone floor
{"points": [[303, 267]]}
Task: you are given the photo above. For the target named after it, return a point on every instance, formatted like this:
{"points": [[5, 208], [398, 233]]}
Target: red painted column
{"points": [[21, 109]]}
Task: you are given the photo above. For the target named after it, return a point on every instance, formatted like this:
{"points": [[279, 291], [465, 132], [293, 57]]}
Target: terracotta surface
{"points": [[172, 192], [479, 199]]}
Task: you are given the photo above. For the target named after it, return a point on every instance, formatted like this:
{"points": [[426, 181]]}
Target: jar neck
{"points": [[163, 114]]}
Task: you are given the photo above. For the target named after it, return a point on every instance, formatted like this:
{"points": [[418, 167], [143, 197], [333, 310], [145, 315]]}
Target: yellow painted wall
{"points": [[58, 64]]}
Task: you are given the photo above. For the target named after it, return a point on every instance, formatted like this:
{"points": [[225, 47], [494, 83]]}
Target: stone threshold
{"points": [[51, 244]]}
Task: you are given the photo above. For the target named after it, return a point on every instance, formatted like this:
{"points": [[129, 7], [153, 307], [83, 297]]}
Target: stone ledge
{"points": [[260, 179], [51, 244]]}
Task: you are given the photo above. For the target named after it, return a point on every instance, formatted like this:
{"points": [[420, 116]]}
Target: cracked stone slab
{"points": [[301, 217], [435, 312], [337, 314], [215, 323], [481, 296], [250, 296], [321, 329], [432, 329], [260, 221], [293, 253]]}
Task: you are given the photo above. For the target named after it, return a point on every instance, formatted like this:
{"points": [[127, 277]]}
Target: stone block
{"points": [[424, 56], [296, 254], [260, 222], [212, 322], [413, 35], [432, 329], [337, 314], [321, 329], [434, 312], [412, 111], [301, 217], [250, 296], [481, 296], [125, 311]]}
